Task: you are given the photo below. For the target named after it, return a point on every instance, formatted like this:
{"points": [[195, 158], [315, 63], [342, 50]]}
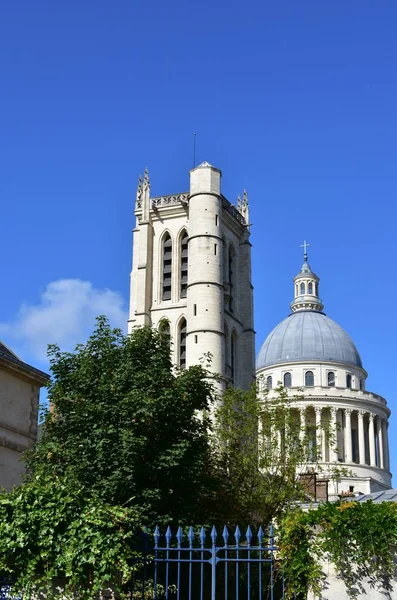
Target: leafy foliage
{"points": [[122, 424], [262, 475], [50, 529], [359, 538]]}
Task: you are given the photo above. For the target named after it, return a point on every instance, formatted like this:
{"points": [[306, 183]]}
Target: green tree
{"points": [[124, 425], [263, 453]]}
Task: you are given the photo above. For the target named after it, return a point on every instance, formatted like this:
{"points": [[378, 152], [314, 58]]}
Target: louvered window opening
{"points": [[231, 281], [182, 344], [167, 268], [184, 265]]}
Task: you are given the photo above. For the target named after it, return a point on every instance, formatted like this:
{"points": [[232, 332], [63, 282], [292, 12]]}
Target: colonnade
{"points": [[372, 435]]}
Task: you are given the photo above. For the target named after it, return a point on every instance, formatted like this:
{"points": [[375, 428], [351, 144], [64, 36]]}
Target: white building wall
{"points": [[366, 473]]}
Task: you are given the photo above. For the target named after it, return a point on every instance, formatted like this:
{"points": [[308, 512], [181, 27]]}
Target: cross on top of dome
{"points": [[304, 246]]}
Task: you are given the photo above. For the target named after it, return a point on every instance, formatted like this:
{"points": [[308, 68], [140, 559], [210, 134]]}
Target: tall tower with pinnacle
{"points": [[191, 275]]}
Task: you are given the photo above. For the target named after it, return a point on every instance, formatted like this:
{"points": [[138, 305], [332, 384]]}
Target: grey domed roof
{"points": [[308, 335]]}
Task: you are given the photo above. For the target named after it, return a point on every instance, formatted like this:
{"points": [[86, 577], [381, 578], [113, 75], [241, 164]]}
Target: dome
{"points": [[308, 335]]}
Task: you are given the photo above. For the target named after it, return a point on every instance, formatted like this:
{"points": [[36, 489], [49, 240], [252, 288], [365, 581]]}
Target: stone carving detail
{"points": [[172, 200], [138, 203]]}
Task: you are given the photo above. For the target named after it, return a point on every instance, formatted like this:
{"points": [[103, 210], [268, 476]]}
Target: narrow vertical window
{"points": [[194, 310], [287, 380], [269, 383], [167, 267], [361, 384], [182, 344], [309, 379], [331, 379], [196, 339], [231, 277], [215, 248], [216, 219], [233, 355], [165, 331], [348, 381], [310, 290], [184, 265], [302, 288]]}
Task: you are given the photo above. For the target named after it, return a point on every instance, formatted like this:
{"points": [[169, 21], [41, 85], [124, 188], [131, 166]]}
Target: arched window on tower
{"points": [[310, 290], [167, 267], [231, 276], [184, 263], [165, 331], [269, 382], [302, 288], [361, 384], [182, 344], [331, 379], [348, 381], [309, 379], [287, 380]]}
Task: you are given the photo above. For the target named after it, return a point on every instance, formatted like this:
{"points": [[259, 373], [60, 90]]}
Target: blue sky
{"points": [[295, 101]]}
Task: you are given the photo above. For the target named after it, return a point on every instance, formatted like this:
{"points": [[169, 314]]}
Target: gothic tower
{"points": [[191, 275]]}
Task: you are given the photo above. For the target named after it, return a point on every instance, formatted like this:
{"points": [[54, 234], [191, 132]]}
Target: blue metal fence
{"points": [[208, 567]]}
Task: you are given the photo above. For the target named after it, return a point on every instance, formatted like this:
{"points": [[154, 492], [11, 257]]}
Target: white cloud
{"points": [[65, 316]]}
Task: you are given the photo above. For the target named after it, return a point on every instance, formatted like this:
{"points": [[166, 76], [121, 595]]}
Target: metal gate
{"points": [[198, 566]]}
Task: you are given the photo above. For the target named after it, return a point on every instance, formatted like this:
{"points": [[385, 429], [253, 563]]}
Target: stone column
{"points": [[348, 436], [319, 434], [302, 431], [379, 428], [371, 434], [387, 452], [361, 438], [334, 440]]}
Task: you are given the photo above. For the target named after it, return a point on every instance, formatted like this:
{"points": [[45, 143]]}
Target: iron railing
{"points": [[198, 566]]}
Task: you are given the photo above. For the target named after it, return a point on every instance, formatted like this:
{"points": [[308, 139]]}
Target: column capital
{"points": [[372, 417], [318, 409], [361, 414], [348, 411], [334, 410]]}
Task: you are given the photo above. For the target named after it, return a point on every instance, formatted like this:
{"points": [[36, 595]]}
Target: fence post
{"points": [[213, 563]]}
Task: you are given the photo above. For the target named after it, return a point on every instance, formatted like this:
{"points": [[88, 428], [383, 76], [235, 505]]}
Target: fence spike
{"points": [[202, 536], [248, 535], [225, 535], [214, 535], [156, 536], [237, 535], [260, 535], [190, 536], [168, 536], [179, 535]]}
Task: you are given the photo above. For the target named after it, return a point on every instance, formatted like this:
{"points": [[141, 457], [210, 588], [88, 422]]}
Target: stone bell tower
{"points": [[191, 275]]}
